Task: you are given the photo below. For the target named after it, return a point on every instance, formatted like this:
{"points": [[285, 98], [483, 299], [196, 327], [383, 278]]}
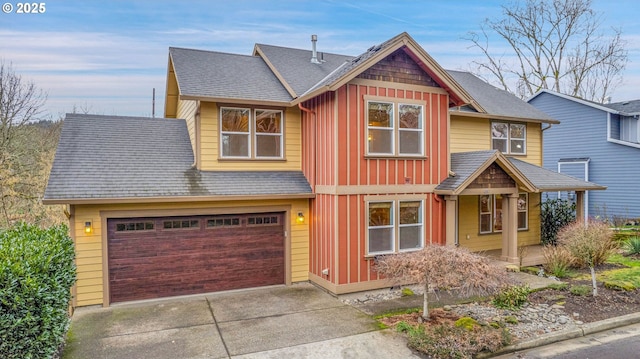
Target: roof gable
{"points": [[469, 168], [223, 77], [292, 64], [294, 67], [398, 67]]}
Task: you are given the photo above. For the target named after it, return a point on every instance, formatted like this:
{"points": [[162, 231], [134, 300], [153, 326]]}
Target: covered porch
{"points": [[491, 173]]}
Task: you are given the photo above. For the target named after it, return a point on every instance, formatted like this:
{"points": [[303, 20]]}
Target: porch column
{"points": [[451, 230], [510, 228], [580, 206]]}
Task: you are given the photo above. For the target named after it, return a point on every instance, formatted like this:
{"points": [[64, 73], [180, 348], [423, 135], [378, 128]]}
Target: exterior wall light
{"points": [[88, 228], [300, 218]]}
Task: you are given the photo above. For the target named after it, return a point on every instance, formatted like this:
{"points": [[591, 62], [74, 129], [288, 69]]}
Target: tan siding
{"points": [[89, 248], [187, 110], [171, 101], [210, 144], [473, 134], [469, 134]]}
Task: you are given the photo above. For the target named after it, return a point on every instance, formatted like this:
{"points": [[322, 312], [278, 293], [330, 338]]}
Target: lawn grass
{"points": [[630, 274]]}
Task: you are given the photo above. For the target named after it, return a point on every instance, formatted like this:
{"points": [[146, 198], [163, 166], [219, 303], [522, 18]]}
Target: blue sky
{"points": [[107, 56]]}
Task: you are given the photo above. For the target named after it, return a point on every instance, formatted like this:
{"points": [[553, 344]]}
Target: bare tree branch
{"points": [[553, 44]]}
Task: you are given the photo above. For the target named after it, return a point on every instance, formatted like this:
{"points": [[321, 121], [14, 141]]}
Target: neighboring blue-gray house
{"points": [[598, 143]]}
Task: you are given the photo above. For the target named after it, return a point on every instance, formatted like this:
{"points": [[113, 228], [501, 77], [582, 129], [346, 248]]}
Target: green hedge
{"points": [[37, 271]]}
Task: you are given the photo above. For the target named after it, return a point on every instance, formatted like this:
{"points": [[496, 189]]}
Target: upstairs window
{"points": [[395, 129], [251, 133], [509, 138]]}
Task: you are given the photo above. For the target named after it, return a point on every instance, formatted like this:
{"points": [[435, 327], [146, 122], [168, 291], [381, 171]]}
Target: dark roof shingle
{"points": [[221, 75], [107, 157], [496, 101]]}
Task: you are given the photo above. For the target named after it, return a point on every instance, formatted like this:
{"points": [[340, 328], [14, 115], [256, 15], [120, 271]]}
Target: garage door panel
{"points": [[159, 261]]}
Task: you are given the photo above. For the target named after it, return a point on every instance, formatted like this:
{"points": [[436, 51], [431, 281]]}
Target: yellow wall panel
{"points": [[469, 226], [474, 134], [89, 254], [210, 144], [187, 111]]}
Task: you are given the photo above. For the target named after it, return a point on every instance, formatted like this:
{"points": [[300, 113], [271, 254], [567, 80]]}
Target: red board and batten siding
{"points": [[338, 228]]}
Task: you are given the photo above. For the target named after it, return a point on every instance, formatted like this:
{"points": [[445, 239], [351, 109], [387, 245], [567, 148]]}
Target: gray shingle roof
{"points": [[625, 107], [295, 65], [546, 180], [465, 164], [111, 157], [496, 101], [221, 75]]}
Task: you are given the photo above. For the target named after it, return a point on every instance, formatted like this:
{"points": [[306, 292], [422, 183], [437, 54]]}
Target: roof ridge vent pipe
{"points": [[314, 53]]}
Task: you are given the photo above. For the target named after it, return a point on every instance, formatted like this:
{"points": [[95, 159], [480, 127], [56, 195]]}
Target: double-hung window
{"points": [[395, 128], [510, 138], [491, 214], [395, 226], [251, 133]]}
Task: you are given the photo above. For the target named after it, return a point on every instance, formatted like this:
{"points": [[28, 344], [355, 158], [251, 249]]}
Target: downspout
{"points": [[196, 147], [313, 146]]}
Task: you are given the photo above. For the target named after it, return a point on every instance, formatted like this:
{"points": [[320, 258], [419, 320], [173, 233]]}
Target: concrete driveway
{"points": [[299, 321]]}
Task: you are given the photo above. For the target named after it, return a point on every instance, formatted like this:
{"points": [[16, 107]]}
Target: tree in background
{"points": [[552, 44], [27, 147], [445, 268]]}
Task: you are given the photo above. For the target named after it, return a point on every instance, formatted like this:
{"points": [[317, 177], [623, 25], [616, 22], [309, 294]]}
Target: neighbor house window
{"points": [[509, 138], [395, 129], [491, 214], [251, 133], [388, 234]]}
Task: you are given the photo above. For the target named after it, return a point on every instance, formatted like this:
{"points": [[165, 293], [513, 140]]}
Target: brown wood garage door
{"points": [[169, 256]]}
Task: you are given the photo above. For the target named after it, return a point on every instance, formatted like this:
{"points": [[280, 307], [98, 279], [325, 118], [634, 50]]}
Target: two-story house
{"points": [[292, 165], [595, 142]]}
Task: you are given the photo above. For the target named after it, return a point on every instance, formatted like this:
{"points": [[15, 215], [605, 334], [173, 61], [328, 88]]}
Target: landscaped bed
{"points": [[460, 331]]}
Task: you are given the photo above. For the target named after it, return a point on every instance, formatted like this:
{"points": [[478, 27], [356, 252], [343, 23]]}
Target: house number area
{"points": [[24, 8]]}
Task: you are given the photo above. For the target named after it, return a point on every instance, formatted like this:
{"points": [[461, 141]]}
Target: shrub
{"points": [[36, 273], [513, 297], [555, 214], [632, 246], [558, 260], [448, 341], [589, 243]]}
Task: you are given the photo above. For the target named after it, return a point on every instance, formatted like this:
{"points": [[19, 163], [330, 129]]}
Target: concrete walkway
{"points": [[299, 321]]}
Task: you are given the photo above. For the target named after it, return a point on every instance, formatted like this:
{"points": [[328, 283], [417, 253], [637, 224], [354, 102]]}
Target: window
{"points": [[134, 226], [384, 132], [509, 138], [386, 235], [181, 224], [262, 220], [247, 133], [223, 222], [491, 213]]}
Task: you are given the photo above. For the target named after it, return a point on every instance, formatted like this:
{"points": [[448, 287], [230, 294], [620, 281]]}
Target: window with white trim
{"points": [[388, 235], [251, 133], [390, 137], [509, 138], [491, 213]]}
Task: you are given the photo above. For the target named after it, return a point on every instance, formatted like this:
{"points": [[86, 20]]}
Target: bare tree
{"points": [[20, 156], [445, 268], [551, 44]]}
